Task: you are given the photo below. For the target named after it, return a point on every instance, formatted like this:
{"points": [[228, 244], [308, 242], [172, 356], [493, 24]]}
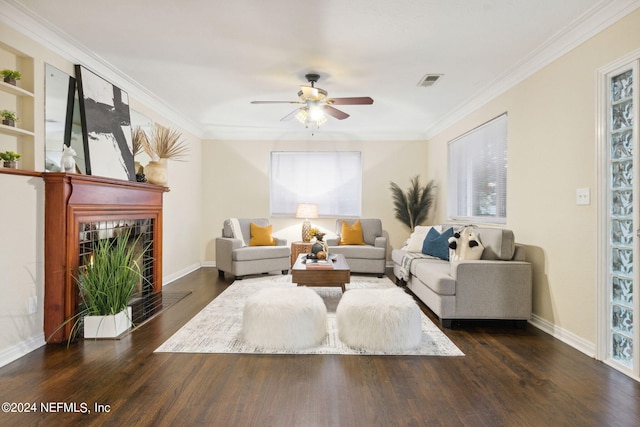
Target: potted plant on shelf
{"points": [[9, 118], [106, 283], [11, 76], [10, 159]]}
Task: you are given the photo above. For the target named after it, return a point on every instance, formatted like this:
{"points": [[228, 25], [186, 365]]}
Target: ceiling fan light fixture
{"points": [[311, 116], [302, 116], [310, 93]]}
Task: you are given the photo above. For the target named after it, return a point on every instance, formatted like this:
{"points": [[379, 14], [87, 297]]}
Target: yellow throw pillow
{"points": [[351, 234], [261, 236]]}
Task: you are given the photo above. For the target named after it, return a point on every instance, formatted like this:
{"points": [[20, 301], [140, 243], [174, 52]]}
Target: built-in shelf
{"points": [[21, 99], [12, 130], [14, 90]]}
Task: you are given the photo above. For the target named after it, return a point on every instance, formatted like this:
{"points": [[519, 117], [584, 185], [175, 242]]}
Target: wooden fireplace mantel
{"points": [[71, 199]]}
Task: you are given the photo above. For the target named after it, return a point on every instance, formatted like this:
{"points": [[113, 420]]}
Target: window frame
{"points": [[316, 169], [464, 208]]}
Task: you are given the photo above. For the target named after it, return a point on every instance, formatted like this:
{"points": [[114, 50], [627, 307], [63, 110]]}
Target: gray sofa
{"points": [[234, 256], [498, 286], [368, 258]]}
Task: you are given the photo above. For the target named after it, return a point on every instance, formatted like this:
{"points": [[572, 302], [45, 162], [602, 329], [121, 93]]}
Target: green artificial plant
{"points": [[412, 207], [11, 74], [10, 156], [8, 115]]}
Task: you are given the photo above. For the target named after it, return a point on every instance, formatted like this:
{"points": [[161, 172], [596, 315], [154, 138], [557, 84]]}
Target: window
{"points": [[332, 180], [478, 173]]}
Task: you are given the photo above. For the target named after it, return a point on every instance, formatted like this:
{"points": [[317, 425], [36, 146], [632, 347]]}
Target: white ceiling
{"points": [[209, 58]]}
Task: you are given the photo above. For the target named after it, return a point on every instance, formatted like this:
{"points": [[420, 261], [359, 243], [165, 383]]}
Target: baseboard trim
{"points": [[180, 273], [565, 336], [22, 348], [208, 264]]}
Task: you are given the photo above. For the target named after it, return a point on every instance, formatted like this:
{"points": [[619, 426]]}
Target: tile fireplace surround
{"points": [[71, 202]]}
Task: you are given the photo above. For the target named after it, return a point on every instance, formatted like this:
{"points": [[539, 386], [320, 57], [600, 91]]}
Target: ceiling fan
{"points": [[316, 105]]}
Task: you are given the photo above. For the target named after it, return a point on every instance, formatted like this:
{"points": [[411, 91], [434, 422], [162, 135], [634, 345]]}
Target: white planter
{"points": [[107, 326]]}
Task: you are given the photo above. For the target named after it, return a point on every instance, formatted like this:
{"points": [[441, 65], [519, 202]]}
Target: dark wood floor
{"points": [[509, 377]]}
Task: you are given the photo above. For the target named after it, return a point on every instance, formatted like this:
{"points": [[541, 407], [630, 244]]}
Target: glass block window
{"points": [[621, 217]]}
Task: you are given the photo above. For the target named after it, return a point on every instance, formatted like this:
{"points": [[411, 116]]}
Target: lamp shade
{"points": [[307, 210]]}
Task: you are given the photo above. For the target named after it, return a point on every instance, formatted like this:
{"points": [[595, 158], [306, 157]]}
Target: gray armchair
{"points": [[235, 257], [368, 258]]}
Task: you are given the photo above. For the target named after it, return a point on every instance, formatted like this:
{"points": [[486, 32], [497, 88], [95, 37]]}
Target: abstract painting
{"points": [[106, 127]]}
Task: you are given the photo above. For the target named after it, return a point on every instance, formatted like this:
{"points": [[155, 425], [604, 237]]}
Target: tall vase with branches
{"points": [[412, 207], [164, 144]]}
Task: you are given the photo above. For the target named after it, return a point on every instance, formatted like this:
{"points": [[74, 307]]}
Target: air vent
{"points": [[429, 80]]}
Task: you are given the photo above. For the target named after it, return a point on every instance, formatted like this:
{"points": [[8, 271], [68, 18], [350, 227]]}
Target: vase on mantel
{"points": [[156, 172]]}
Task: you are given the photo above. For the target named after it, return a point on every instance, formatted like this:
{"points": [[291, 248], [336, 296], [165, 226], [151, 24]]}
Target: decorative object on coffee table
{"points": [[306, 211], [284, 318]]}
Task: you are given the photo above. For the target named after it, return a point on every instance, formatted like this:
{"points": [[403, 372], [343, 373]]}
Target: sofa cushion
{"points": [[437, 244], [251, 253], [245, 227], [416, 239], [371, 229], [435, 275], [467, 246], [351, 234], [359, 251], [261, 236]]}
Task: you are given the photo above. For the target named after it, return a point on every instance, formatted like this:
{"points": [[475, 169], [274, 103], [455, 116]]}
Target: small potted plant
{"points": [[10, 159], [9, 118], [11, 76]]}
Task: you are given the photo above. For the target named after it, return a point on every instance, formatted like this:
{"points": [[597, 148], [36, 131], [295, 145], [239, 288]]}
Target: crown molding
{"points": [[592, 22], [35, 27]]}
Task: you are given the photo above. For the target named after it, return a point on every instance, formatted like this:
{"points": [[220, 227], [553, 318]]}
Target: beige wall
{"points": [[552, 152], [236, 183]]}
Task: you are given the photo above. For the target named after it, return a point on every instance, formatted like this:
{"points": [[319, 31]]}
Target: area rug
{"points": [[217, 328]]}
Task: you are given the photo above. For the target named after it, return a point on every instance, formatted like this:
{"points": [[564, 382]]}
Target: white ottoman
{"points": [[284, 318], [379, 319]]}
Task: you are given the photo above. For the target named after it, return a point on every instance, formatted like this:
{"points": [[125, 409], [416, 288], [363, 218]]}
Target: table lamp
{"points": [[306, 211]]}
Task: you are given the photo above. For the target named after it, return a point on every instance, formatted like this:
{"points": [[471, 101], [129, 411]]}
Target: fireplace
{"points": [[81, 209]]}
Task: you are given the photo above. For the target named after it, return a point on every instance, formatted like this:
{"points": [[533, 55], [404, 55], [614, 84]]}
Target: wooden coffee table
{"points": [[339, 275]]}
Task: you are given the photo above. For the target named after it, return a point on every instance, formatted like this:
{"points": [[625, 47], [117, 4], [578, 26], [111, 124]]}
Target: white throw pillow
{"points": [[464, 251], [417, 237]]}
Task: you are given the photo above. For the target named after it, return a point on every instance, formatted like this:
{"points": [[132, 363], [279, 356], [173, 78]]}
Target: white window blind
{"points": [[332, 180], [478, 173]]}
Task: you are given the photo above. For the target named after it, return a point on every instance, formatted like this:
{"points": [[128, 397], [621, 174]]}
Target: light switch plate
{"points": [[583, 196]]}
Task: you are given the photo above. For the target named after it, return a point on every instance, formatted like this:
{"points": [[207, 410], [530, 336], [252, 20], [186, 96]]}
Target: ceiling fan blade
{"points": [[334, 112], [290, 115], [277, 102], [359, 100]]}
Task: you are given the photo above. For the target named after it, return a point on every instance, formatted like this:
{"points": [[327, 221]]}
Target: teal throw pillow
{"points": [[436, 244]]}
